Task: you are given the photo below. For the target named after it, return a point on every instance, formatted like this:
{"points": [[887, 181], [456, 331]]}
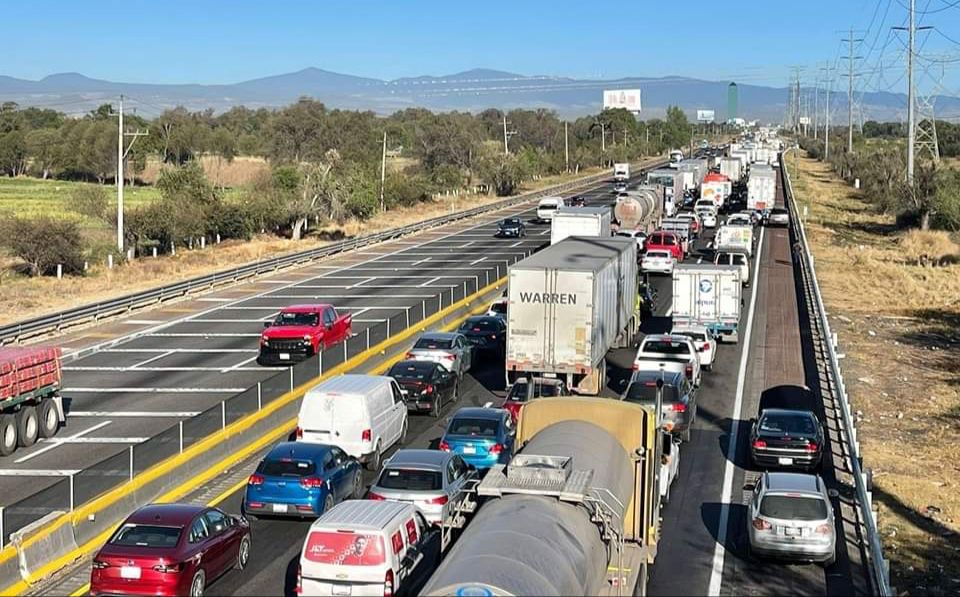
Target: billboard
{"points": [[622, 98], [804, 120], [705, 115]]}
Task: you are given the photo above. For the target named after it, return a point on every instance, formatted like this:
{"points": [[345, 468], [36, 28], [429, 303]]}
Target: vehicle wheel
{"points": [[685, 434], [8, 434], [403, 432], [708, 367], [436, 407], [666, 498], [198, 584], [328, 503], [373, 463], [456, 390], [48, 418], [358, 486], [243, 554], [830, 561], [28, 426]]}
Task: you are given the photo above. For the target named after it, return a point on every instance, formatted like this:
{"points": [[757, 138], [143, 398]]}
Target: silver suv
{"points": [[790, 517]]}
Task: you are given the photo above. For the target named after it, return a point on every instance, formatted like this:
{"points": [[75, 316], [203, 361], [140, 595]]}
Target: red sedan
{"points": [[170, 549]]}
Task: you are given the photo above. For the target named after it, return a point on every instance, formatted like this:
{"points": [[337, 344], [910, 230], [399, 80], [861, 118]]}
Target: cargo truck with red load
{"points": [[30, 404]]}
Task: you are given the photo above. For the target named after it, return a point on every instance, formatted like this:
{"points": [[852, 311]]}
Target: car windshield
{"points": [[788, 424], [645, 392], [510, 222], [433, 343], [499, 307], [519, 390], [547, 206], [412, 371], [789, 507], [473, 427], [665, 347], [479, 325], [410, 479], [308, 319], [658, 254], [696, 336], [660, 239], [287, 467], [141, 535]]}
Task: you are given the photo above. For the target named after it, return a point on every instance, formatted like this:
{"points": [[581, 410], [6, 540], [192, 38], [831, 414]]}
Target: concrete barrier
{"points": [[41, 542]]}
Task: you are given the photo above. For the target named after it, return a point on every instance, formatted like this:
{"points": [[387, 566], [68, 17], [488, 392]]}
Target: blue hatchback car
{"points": [[302, 480], [483, 437]]}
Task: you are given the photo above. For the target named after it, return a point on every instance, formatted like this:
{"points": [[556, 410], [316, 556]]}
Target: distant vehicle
{"points": [[432, 480], [753, 215], [170, 549], [786, 438], [576, 201], [449, 349], [671, 353], [621, 172], [739, 219], [668, 241], [676, 156], [482, 436], [778, 217], [657, 262], [302, 480], [620, 187], [425, 385], [364, 547], [703, 204], [738, 259], [498, 308], [547, 207], [679, 399], [30, 403], [486, 334], [734, 238], [638, 235], [301, 331], [761, 188], [694, 218], [702, 339], [708, 216], [580, 221], [790, 517], [511, 227], [523, 391]]}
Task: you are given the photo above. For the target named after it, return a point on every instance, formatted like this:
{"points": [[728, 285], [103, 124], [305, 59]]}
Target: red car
{"points": [[170, 549], [301, 331], [666, 241]]}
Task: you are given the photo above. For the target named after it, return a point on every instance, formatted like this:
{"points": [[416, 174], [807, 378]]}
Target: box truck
{"points": [[567, 306], [621, 172], [579, 221], [708, 295], [761, 188], [730, 167], [734, 238], [672, 184]]}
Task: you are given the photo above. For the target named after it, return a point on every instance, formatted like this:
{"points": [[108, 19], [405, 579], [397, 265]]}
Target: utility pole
{"points": [[121, 156], [383, 171], [506, 135], [816, 108], [566, 146], [850, 60], [826, 128]]}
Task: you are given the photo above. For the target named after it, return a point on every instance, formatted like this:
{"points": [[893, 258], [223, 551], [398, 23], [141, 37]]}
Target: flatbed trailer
{"points": [[30, 403]]}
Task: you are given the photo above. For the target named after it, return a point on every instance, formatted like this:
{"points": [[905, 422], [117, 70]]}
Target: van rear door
{"points": [[344, 562], [334, 418]]}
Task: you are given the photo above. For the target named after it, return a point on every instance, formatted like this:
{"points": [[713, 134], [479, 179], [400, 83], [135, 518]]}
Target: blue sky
{"points": [[216, 41]]}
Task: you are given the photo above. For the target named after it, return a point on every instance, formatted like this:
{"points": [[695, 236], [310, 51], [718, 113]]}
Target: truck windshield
{"points": [[307, 319]]}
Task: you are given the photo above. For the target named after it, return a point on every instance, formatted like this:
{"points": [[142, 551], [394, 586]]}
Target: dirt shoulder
{"points": [[23, 298], [894, 299]]}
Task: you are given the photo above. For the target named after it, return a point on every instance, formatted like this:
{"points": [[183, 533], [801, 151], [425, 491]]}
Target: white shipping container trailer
{"points": [[761, 188], [567, 306], [621, 172], [730, 167], [708, 295], [579, 221], [734, 239]]}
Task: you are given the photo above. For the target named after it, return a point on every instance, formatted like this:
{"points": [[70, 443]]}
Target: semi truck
{"points": [[708, 295], [734, 238], [640, 209], [567, 306], [621, 172], [672, 183], [732, 168], [30, 403], [579, 221], [761, 188]]}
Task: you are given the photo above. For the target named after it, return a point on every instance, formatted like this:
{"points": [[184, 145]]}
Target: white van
{"points": [[365, 547], [364, 415], [547, 207]]}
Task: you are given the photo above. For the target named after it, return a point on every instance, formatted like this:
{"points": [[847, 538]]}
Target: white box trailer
{"points": [[708, 295], [734, 239], [761, 188], [579, 221], [731, 168], [621, 172], [567, 306], [672, 182]]}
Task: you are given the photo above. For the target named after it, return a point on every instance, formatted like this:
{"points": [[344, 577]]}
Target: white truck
{"points": [[672, 183], [731, 168], [676, 156], [621, 172], [708, 295], [761, 188], [734, 238], [567, 306], [579, 221]]}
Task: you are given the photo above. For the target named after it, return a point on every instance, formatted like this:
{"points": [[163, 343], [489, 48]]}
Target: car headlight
{"points": [[306, 338]]}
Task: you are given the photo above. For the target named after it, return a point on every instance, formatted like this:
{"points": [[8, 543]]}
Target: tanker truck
{"points": [[577, 510], [639, 209]]}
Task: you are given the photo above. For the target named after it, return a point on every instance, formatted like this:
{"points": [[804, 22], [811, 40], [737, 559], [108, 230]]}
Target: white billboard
{"points": [[705, 115], [804, 120], [622, 98]]}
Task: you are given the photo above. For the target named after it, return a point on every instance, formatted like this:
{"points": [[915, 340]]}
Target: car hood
{"points": [[288, 331]]}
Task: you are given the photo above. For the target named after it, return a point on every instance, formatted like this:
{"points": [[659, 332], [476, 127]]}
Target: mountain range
{"points": [[472, 90]]}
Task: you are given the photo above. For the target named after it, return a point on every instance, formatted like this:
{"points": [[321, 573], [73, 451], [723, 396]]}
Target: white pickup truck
{"points": [[673, 353]]}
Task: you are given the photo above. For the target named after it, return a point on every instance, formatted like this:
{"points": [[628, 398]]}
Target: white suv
{"points": [[702, 339]]}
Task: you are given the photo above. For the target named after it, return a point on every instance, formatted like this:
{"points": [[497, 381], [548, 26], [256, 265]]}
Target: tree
{"points": [[677, 129], [503, 173], [44, 147], [13, 153], [320, 195], [92, 201], [292, 128], [43, 243]]}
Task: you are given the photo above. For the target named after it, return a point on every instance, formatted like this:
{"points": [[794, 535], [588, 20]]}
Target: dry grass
{"points": [[235, 173], [899, 326], [22, 298]]}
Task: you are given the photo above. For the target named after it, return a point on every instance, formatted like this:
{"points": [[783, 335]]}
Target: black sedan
{"points": [[511, 227], [425, 385], [784, 438], [485, 333]]}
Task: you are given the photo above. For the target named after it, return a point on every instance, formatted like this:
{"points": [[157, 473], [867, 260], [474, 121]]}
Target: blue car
{"points": [[302, 480], [483, 437]]}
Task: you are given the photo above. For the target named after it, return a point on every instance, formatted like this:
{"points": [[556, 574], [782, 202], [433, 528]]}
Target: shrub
{"points": [[91, 201], [43, 243]]}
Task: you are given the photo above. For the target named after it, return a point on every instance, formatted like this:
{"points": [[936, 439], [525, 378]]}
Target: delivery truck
{"points": [[761, 188], [672, 183], [734, 238], [731, 168], [567, 306], [30, 404], [579, 221], [708, 295], [621, 172]]}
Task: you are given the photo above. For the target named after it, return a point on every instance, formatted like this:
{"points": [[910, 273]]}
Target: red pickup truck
{"points": [[666, 241], [301, 331]]}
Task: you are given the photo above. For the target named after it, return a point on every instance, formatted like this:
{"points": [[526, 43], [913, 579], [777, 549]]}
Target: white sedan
{"points": [[702, 339], [660, 262], [708, 216]]}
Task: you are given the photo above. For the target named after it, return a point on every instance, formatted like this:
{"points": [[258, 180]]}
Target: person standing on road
{"points": [[797, 252]]}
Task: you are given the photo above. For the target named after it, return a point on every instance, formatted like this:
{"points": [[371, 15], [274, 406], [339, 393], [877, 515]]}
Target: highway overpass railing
{"points": [[879, 568]]}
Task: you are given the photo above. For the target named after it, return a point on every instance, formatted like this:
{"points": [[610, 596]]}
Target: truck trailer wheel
{"points": [[8, 434], [28, 426], [48, 418]]}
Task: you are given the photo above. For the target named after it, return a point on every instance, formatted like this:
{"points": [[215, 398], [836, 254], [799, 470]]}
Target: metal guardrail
{"points": [[57, 322], [879, 567]]}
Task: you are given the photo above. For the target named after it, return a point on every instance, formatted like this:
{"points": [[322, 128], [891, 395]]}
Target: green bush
{"points": [[43, 243]]}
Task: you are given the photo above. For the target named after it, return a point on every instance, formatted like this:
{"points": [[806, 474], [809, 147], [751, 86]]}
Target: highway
{"points": [[703, 537]]}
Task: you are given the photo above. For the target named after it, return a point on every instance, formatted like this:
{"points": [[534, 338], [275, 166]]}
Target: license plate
{"points": [[279, 507], [341, 589], [784, 461], [469, 450], [284, 356], [131, 572], [791, 531]]}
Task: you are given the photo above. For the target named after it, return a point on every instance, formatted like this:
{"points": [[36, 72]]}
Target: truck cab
{"points": [[300, 331], [735, 258]]}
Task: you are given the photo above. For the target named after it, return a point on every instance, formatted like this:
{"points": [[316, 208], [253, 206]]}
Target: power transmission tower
{"points": [[122, 151], [911, 90], [850, 76]]}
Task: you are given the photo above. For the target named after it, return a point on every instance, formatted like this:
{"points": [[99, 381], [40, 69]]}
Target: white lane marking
{"points": [[358, 283], [370, 286], [469, 243], [258, 320], [198, 335], [274, 281], [359, 311], [370, 320], [82, 368], [150, 360], [134, 414], [424, 260], [517, 244], [54, 442], [141, 321], [545, 232], [431, 281], [180, 350], [98, 440], [475, 262], [719, 551], [214, 299], [84, 390], [34, 472], [240, 365], [391, 276], [336, 296], [699, 259]]}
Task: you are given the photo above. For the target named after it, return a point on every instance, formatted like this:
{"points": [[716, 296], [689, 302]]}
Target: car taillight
{"points": [[689, 370], [761, 524], [812, 447], [255, 479], [495, 449], [367, 435], [375, 496], [636, 366], [493, 336], [409, 355], [298, 433], [823, 529], [439, 501], [679, 407], [311, 482], [450, 357], [169, 568], [299, 588], [444, 445], [706, 346], [100, 564], [388, 584], [759, 443], [428, 389]]}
